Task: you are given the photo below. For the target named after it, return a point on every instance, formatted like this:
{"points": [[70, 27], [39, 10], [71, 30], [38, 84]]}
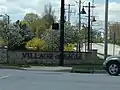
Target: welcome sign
{"points": [[22, 57], [49, 55]]}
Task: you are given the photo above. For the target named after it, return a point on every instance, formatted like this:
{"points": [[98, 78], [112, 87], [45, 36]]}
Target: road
{"points": [[40, 80]]}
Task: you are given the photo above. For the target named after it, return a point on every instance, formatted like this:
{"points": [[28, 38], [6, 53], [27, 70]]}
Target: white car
{"points": [[112, 65]]}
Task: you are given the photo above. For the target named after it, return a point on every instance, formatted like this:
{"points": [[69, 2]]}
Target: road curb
{"points": [[11, 67], [89, 71], [47, 70], [70, 71]]}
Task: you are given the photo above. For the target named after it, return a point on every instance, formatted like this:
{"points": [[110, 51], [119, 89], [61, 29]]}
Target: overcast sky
{"points": [[18, 8]]}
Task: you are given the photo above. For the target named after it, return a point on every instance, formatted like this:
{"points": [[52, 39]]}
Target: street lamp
{"points": [[89, 24], [83, 11], [94, 20]]}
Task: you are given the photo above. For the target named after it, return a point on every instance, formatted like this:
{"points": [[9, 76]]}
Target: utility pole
{"points": [[79, 22], [89, 28], [79, 25], [79, 15], [62, 21], [106, 30], [69, 12]]}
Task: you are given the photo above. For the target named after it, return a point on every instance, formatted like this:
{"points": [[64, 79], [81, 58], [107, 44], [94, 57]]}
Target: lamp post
{"points": [[89, 25], [62, 33]]}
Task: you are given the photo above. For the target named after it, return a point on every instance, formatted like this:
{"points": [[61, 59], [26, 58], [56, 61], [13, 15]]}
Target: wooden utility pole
{"points": [[62, 21]]}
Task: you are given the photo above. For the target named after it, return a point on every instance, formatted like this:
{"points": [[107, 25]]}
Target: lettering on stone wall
{"points": [[36, 55], [70, 56], [45, 57], [73, 56]]}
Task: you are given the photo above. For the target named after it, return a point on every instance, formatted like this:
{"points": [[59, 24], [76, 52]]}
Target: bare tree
{"points": [[48, 14]]}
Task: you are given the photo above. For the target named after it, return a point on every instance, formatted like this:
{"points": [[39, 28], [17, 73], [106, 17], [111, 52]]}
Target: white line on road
{"points": [[4, 77]]}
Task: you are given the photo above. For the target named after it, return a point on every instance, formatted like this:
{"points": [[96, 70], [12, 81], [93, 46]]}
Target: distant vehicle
{"points": [[112, 65]]}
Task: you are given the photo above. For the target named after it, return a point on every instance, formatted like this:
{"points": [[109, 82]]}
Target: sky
{"points": [[16, 9]]}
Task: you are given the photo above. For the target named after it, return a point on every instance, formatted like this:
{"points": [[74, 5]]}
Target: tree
{"points": [[36, 24], [31, 17], [52, 37], [52, 40], [48, 14], [11, 36], [84, 34], [95, 35], [38, 27], [14, 35], [71, 34]]}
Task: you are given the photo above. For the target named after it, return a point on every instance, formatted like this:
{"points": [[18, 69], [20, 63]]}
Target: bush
{"points": [[69, 47], [35, 44]]}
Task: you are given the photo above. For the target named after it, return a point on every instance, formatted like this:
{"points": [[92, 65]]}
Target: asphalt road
{"points": [[39, 80]]}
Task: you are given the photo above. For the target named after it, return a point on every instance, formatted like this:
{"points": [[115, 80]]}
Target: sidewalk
{"points": [[43, 68]]}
